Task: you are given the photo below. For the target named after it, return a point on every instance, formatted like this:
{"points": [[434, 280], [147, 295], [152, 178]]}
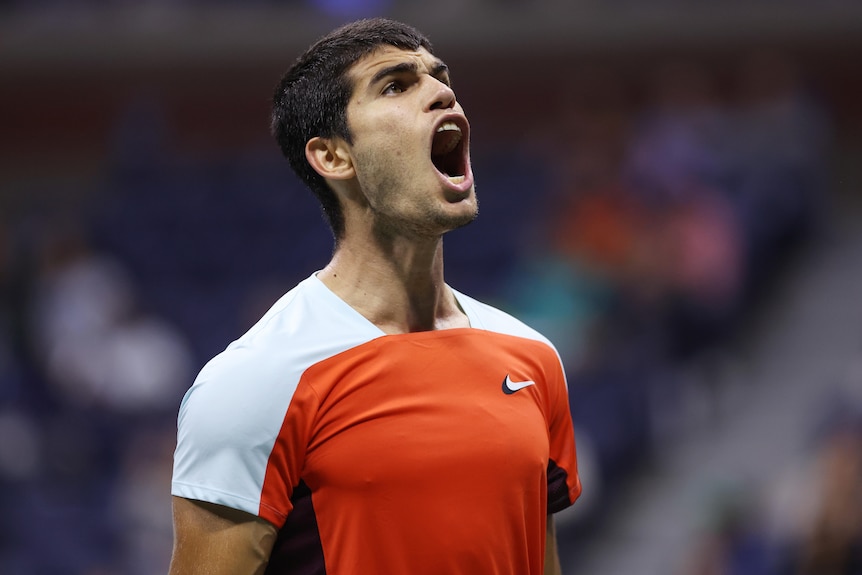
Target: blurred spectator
{"points": [[732, 541], [816, 506], [112, 378], [807, 522], [675, 148], [705, 257], [833, 545], [677, 167], [778, 150], [590, 236], [97, 346]]}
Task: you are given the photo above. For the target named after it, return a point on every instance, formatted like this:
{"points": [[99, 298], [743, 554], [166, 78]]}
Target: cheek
{"points": [[394, 130], [393, 147]]}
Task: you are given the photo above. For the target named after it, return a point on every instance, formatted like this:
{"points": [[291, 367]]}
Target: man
{"points": [[375, 421]]}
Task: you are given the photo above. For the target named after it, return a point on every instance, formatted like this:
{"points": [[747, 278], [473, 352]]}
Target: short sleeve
{"points": [[229, 422]]}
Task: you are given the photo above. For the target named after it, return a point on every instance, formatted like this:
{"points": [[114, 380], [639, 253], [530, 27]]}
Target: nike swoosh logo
{"points": [[510, 387]]}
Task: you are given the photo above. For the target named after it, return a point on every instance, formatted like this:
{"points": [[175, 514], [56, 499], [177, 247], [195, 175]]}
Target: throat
{"points": [[420, 321], [395, 301], [423, 310]]}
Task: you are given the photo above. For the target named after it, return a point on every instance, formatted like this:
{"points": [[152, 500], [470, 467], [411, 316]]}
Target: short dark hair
{"points": [[311, 98]]}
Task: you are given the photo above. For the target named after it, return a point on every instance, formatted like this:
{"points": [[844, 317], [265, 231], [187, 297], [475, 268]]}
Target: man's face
{"points": [[410, 143]]}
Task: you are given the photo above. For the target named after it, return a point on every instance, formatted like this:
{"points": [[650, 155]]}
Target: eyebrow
{"points": [[438, 71]]}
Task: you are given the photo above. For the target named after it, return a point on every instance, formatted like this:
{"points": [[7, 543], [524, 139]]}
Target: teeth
{"points": [[456, 179], [448, 126], [448, 136]]}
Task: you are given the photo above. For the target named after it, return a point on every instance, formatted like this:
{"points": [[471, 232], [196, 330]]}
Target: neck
{"points": [[398, 287]]}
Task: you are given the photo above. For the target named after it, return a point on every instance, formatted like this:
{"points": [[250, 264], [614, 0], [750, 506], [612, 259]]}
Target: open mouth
{"points": [[447, 152]]}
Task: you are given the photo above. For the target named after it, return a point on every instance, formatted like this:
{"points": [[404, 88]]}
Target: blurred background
{"points": [[670, 190]]}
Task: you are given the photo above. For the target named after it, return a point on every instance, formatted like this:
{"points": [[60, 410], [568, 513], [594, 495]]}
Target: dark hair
{"points": [[311, 98]]}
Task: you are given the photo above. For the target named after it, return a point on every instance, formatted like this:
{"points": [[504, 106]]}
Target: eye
{"points": [[393, 88]]}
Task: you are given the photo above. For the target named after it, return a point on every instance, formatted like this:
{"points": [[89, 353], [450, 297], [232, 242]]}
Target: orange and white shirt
{"points": [[422, 453]]}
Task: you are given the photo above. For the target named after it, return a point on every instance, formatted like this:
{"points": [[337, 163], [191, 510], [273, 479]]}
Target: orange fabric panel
{"points": [[409, 445]]}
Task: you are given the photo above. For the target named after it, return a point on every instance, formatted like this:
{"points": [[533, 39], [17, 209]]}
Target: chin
{"points": [[461, 219]]}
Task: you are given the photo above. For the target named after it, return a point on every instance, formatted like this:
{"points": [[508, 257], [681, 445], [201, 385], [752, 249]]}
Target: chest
{"points": [[453, 412]]}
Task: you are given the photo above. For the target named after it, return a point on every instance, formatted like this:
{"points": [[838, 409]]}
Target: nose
{"points": [[443, 96]]}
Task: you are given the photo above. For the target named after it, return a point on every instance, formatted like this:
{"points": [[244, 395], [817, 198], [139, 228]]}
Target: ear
{"points": [[330, 158]]}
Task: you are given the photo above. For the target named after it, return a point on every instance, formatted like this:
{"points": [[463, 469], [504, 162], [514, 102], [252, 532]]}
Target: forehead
{"points": [[364, 69]]}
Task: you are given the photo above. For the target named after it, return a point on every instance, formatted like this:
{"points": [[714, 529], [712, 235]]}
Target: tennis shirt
{"points": [[435, 452]]}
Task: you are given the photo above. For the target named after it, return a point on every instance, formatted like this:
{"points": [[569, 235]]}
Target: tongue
{"points": [[445, 142]]}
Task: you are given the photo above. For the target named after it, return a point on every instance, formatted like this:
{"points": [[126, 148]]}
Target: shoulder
{"points": [[306, 324], [261, 369], [232, 414]]}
